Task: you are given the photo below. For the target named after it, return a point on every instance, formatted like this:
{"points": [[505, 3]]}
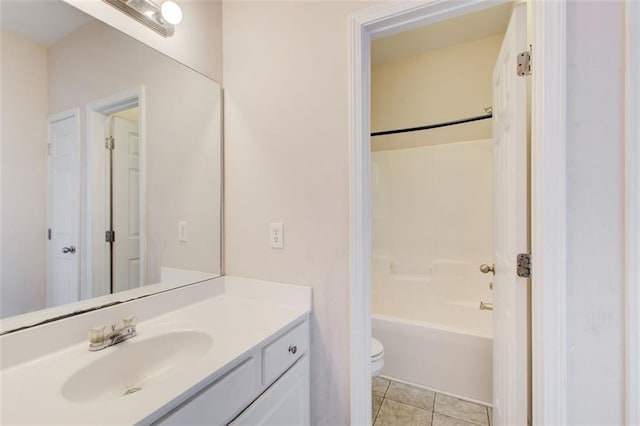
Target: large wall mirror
{"points": [[110, 179]]}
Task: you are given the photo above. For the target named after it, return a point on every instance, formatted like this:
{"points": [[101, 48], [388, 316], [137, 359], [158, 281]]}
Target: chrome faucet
{"points": [[100, 339]]}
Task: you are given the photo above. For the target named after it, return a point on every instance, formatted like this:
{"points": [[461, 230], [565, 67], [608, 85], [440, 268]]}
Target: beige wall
{"points": [[23, 134], [197, 41], [182, 142], [437, 86], [286, 151]]}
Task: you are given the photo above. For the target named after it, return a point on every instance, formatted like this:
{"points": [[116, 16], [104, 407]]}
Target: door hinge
{"points": [[110, 236], [524, 63], [109, 143], [524, 265], [49, 148], [49, 234]]}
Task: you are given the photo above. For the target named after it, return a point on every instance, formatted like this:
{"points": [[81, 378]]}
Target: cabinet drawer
{"points": [[284, 351]]}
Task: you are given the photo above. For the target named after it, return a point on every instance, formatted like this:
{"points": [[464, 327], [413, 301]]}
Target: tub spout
{"points": [[486, 306]]}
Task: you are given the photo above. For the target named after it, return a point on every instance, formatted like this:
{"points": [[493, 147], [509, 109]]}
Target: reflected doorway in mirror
{"points": [[116, 193], [125, 200]]}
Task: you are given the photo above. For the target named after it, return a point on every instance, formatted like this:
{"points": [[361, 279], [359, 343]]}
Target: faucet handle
{"points": [[97, 335], [129, 324], [129, 321]]}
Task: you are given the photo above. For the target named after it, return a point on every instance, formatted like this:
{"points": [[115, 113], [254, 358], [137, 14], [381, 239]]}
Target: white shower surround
{"points": [[433, 204], [437, 301], [432, 228], [429, 339]]}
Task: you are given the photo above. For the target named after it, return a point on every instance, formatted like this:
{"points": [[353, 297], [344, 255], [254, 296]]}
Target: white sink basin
{"points": [[135, 365]]}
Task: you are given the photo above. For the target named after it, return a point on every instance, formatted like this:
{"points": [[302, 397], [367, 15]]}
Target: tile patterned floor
{"points": [[397, 404]]}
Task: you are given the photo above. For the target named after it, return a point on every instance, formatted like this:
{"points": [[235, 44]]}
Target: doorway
{"points": [[116, 193], [442, 205], [124, 202], [548, 161]]}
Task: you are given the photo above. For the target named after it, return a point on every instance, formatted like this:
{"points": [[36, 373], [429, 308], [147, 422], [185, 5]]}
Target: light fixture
{"points": [[171, 12], [162, 19]]}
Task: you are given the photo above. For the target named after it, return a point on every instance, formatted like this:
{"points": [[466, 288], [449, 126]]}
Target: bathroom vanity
{"points": [[224, 351]]}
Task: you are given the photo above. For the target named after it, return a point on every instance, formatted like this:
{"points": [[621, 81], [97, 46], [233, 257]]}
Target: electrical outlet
{"points": [[277, 235], [183, 231]]}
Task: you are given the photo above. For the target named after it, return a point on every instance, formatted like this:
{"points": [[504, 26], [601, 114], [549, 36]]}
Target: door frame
{"points": [[53, 118], [97, 198], [632, 211], [548, 193]]}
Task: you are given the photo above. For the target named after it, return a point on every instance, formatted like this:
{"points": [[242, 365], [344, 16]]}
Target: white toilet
{"points": [[377, 357]]}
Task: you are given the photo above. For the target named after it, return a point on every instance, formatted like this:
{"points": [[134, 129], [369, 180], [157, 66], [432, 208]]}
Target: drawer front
{"points": [[221, 401], [283, 352]]}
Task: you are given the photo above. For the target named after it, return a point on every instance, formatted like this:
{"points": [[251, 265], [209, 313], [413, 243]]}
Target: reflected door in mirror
{"points": [[126, 204], [63, 210]]}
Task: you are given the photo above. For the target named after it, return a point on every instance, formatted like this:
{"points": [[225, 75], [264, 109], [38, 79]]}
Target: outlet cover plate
{"points": [[276, 235]]}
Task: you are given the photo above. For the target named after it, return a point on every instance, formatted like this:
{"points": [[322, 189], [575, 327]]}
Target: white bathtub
{"points": [[434, 334]]}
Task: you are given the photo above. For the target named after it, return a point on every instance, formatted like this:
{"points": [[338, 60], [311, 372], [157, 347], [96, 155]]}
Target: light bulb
{"points": [[171, 12]]}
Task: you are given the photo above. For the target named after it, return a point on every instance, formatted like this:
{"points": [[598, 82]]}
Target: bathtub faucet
{"points": [[486, 306]]}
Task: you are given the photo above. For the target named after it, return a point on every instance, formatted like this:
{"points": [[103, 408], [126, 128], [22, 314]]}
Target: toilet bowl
{"points": [[377, 357]]}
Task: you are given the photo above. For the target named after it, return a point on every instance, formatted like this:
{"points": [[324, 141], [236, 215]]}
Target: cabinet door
{"points": [[221, 401], [286, 402]]}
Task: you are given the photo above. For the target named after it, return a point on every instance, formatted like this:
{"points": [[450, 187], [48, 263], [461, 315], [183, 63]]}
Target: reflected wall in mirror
{"points": [[111, 163]]}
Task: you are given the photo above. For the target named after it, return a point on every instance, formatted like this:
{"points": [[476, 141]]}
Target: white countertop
{"points": [[247, 314]]}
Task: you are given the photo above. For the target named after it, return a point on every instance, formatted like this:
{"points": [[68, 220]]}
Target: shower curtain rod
{"points": [[433, 126]]}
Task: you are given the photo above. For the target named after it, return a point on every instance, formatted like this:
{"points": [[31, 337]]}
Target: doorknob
{"points": [[70, 249], [485, 269]]}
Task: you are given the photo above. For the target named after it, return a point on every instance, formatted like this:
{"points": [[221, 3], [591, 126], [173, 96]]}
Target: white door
{"points": [[63, 205], [511, 331], [126, 205]]}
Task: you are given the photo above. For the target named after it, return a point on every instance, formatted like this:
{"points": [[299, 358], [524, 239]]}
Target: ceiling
{"points": [[451, 32], [25, 19]]}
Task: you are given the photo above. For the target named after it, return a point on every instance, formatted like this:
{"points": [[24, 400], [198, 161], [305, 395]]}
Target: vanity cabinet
{"points": [[227, 351], [270, 385]]}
